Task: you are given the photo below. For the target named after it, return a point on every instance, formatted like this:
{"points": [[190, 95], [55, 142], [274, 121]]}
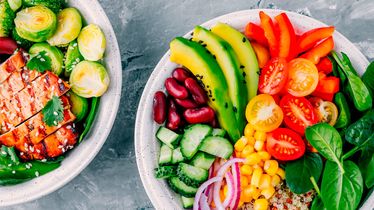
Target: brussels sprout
{"points": [[53, 53], [6, 18], [15, 4], [91, 42], [25, 44], [72, 57], [36, 24], [68, 27], [54, 5], [89, 79], [79, 106]]}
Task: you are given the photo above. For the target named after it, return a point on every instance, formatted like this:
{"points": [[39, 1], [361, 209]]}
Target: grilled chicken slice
{"points": [[30, 100], [12, 64], [34, 129], [54, 145]]}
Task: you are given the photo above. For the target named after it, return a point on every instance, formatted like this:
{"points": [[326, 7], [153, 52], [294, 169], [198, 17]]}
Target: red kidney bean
{"points": [[199, 115], [174, 89], [180, 74], [186, 103], [174, 119], [7, 45], [197, 92], [159, 107]]}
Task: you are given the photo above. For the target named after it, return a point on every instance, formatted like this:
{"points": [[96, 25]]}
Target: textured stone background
{"points": [[144, 29]]}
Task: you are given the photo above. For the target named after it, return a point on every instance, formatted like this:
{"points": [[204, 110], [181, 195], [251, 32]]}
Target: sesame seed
{"points": [[68, 127], [21, 153], [65, 141], [54, 122], [44, 160], [37, 150], [26, 145], [31, 148], [36, 173], [60, 146], [36, 134], [41, 127], [3, 152], [9, 165], [59, 81], [42, 59], [55, 113], [13, 172]]}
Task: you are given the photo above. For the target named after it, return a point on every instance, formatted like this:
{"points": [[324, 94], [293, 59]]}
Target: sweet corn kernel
{"points": [[253, 191], [247, 151], [259, 145], [271, 167], [260, 136], [240, 144], [251, 140], [256, 166], [253, 159], [243, 181], [265, 181], [246, 195], [240, 203], [275, 180], [261, 204], [246, 170], [268, 192], [281, 173], [264, 155], [249, 130], [238, 154], [256, 176]]}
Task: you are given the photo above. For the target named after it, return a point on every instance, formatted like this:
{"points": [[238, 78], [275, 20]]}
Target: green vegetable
{"points": [[181, 188], [90, 118], [92, 42], [360, 133], [368, 78], [341, 188], [36, 24], [15, 4], [299, 172], [12, 171], [6, 18], [52, 52], [40, 62], [163, 172], [89, 79], [203, 160], [68, 27], [317, 204], [53, 112], [366, 164], [72, 57], [191, 175], [187, 202], [192, 138], [25, 44], [165, 155], [217, 146], [168, 137], [344, 118], [177, 156], [54, 5], [79, 106]]}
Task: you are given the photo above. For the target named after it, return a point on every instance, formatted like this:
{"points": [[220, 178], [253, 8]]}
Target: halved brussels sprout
{"points": [[89, 79], [36, 24], [79, 106], [68, 27], [53, 53], [6, 18], [72, 57], [54, 5], [92, 43], [15, 4]]}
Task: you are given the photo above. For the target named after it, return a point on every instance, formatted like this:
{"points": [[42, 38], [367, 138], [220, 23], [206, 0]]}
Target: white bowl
{"points": [[147, 147], [84, 153]]}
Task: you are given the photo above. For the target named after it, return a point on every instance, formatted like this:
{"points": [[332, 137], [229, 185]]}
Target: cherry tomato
{"points": [[298, 113], [263, 113], [302, 77], [284, 144], [326, 111], [273, 76]]}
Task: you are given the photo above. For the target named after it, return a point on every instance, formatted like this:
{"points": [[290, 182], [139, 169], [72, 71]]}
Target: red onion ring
{"points": [[202, 188], [236, 175], [231, 189]]}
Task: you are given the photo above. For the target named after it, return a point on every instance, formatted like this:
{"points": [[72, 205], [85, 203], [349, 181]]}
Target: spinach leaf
{"points": [[326, 140], [360, 133], [298, 172], [317, 204], [368, 78], [344, 117], [341, 189], [366, 164]]}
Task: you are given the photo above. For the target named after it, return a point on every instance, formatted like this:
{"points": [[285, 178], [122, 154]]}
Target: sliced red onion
{"points": [[204, 205], [208, 190], [231, 190], [236, 175], [202, 188]]}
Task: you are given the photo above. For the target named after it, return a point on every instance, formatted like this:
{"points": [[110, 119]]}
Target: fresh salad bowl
{"points": [[186, 157], [71, 46]]}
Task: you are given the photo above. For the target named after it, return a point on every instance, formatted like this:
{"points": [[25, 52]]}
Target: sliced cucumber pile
{"points": [[186, 158]]}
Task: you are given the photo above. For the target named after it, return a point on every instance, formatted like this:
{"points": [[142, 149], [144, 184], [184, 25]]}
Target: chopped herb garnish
{"points": [[53, 112], [40, 62]]}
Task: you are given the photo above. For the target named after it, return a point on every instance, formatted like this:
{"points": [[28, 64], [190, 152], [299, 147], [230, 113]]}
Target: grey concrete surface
{"points": [[144, 29]]}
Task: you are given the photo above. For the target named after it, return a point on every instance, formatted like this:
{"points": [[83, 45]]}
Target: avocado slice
{"points": [[245, 53], [202, 64], [229, 63]]}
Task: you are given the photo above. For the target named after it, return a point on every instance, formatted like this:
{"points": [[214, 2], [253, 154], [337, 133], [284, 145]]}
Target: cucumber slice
{"points": [[165, 155], [192, 138], [203, 160], [187, 202], [181, 188], [164, 172], [218, 132], [177, 156], [217, 146], [191, 175], [168, 137]]}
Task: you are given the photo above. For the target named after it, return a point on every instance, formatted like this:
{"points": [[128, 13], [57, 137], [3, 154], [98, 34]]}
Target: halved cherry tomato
{"points": [[325, 65], [326, 111], [298, 113], [262, 53], [273, 76], [310, 38], [276, 98], [319, 51], [302, 77], [268, 26], [284, 144], [263, 113], [256, 33], [286, 37]]}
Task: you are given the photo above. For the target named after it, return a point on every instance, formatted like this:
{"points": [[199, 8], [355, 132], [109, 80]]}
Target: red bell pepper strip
{"points": [[256, 33], [319, 51], [327, 87], [262, 53], [310, 38], [324, 96], [268, 26], [286, 37], [325, 65]]}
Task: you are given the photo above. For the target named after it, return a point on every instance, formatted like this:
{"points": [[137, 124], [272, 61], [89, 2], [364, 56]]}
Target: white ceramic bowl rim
{"points": [[83, 154], [146, 145]]}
